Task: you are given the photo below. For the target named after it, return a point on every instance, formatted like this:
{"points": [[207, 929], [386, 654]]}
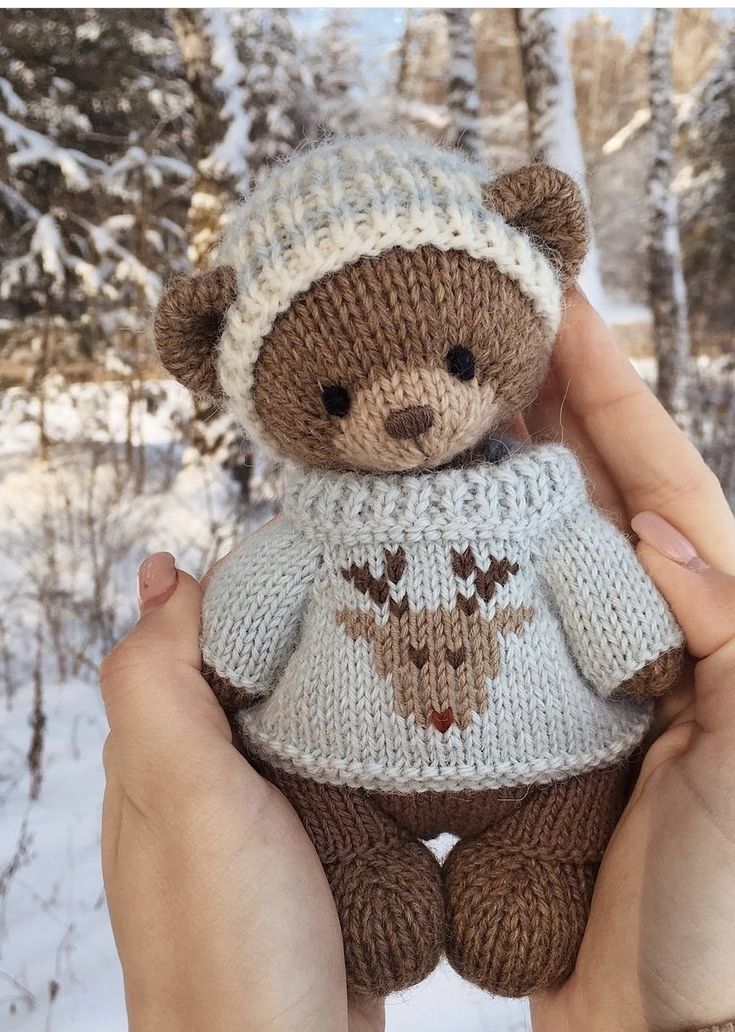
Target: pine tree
{"points": [[667, 290], [278, 88], [204, 38], [336, 69], [462, 98], [553, 132], [89, 214]]}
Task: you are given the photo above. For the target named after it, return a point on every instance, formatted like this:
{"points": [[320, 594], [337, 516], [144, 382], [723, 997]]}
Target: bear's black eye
{"points": [[461, 363], [336, 400]]}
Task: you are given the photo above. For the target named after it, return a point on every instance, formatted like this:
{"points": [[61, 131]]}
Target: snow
{"points": [[230, 155], [31, 148], [13, 102], [623, 136], [58, 967], [126, 170]]}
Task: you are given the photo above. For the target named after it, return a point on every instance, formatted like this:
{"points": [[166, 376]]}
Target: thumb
{"points": [[701, 597], [158, 705]]}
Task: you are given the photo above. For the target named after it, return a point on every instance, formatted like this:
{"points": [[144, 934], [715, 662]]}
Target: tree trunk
{"points": [[667, 290], [552, 122], [462, 99]]}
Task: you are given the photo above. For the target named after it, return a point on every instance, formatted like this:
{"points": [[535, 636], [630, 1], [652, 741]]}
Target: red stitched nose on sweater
{"points": [[409, 422]]}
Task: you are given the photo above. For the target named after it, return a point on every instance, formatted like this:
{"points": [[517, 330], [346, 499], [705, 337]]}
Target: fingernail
{"points": [[659, 534], [157, 580]]}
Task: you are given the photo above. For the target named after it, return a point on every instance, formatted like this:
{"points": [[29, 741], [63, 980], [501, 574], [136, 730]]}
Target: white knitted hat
{"points": [[343, 201]]}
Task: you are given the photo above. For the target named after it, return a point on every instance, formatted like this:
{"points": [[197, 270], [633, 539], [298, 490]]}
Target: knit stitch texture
{"points": [[460, 629], [354, 199]]}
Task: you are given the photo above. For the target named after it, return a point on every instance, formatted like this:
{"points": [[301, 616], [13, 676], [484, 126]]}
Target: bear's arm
{"points": [[619, 629], [252, 611]]}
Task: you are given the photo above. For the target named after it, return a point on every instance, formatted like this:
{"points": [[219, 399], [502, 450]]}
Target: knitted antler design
{"points": [[438, 659]]}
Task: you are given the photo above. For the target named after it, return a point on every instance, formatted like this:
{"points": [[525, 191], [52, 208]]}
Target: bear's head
{"points": [[380, 305]]}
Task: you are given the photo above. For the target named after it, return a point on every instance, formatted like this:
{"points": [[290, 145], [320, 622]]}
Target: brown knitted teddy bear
{"points": [[441, 634]]}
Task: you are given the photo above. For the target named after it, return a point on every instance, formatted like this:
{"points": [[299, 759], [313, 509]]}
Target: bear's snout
{"points": [[409, 422]]}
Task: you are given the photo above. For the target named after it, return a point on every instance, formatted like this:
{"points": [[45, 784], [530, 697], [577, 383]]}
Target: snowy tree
{"points": [[88, 213], [666, 278], [420, 98], [552, 123], [221, 141], [336, 69], [278, 86], [462, 99], [221, 124]]}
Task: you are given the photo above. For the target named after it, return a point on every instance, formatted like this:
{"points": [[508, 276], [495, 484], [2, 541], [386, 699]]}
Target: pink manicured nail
{"points": [[659, 534], [157, 580]]}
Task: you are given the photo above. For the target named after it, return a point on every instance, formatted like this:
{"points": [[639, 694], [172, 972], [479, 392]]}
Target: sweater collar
{"points": [[532, 485]]}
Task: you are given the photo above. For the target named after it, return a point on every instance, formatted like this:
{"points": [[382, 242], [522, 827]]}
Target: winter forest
{"points": [[125, 138]]}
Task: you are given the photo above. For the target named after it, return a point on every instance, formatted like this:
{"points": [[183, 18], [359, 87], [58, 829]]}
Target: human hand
{"points": [[659, 951], [222, 916]]}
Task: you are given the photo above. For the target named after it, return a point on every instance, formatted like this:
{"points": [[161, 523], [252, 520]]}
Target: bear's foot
{"points": [[515, 920], [391, 908]]}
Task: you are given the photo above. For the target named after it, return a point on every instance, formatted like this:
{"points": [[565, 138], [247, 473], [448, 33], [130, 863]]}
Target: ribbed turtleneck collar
{"points": [[532, 485]]}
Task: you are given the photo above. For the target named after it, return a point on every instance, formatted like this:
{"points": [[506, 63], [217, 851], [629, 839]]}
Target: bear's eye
{"points": [[461, 363], [336, 400]]}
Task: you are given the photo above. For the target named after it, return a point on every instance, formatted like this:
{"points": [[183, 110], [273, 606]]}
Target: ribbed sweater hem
{"points": [[445, 778]]}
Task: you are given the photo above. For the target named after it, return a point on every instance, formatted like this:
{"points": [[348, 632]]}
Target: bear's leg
{"points": [[386, 885], [518, 895]]}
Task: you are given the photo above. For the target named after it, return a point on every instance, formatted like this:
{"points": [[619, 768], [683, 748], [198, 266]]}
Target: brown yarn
{"points": [[654, 679], [386, 886], [549, 206], [188, 325], [383, 328], [518, 894], [511, 902], [230, 698]]}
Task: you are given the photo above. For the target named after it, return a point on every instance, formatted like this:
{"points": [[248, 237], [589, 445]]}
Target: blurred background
{"points": [[125, 137]]}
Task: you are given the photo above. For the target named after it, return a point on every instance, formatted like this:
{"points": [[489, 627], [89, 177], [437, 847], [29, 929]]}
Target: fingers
{"points": [[163, 717], [703, 601], [651, 462]]}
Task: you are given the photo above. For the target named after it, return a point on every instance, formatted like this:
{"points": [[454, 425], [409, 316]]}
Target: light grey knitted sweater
{"points": [[448, 630]]}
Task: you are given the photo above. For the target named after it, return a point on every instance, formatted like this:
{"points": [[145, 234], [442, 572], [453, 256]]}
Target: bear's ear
{"points": [[188, 325], [547, 205]]}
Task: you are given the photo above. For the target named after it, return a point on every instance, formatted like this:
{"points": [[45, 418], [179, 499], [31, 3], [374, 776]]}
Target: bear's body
{"points": [[425, 640]]}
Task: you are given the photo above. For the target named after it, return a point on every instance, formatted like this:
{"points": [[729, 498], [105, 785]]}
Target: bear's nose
{"points": [[409, 422]]}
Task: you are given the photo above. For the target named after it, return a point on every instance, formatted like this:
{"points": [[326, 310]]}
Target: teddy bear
{"points": [[440, 633]]}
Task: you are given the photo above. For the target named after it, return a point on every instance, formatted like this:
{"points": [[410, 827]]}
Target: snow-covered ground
{"points": [[74, 532]]}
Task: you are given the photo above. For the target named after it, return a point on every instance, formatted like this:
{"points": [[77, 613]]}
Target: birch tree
{"points": [[462, 98], [552, 124], [667, 290]]}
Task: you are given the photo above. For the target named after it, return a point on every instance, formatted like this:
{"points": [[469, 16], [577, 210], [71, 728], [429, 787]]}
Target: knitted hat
{"points": [[337, 203]]}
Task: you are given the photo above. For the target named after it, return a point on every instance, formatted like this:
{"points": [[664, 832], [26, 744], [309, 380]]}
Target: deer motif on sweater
{"points": [[439, 660]]}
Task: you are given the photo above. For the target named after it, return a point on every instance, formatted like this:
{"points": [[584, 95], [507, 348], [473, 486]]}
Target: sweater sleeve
{"points": [[614, 619], [253, 606]]}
